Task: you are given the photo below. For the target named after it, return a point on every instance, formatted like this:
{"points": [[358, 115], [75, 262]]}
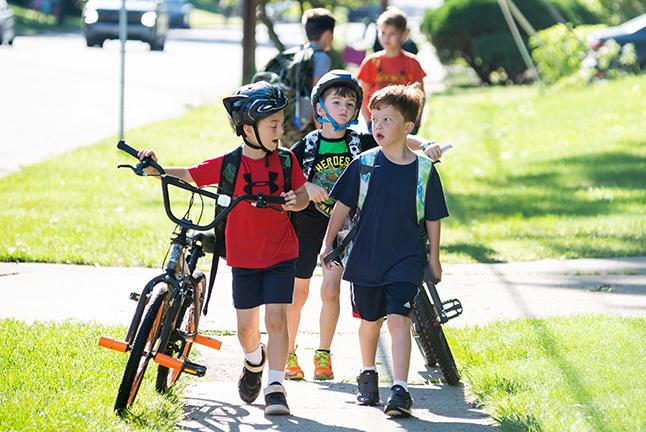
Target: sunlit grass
{"points": [[580, 373], [55, 377]]}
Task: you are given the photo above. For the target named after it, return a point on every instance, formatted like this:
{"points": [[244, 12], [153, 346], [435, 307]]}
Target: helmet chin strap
{"points": [[328, 119], [258, 147]]}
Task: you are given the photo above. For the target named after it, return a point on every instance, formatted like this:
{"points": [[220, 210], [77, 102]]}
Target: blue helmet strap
{"points": [[328, 119]]}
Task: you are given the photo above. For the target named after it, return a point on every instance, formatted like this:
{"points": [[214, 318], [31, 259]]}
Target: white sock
{"points": [[274, 376], [404, 384], [369, 368], [255, 357]]}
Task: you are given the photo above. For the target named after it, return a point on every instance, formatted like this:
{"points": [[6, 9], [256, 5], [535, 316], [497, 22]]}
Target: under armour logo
{"points": [[273, 187]]}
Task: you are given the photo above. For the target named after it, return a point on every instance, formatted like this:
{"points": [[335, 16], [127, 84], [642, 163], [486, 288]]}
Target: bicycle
{"points": [[428, 314], [166, 320]]}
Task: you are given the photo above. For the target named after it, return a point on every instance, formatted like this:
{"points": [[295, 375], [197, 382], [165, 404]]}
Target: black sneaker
{"points": [[368, 388], [276, 400], [250, 381], [399, 403]]}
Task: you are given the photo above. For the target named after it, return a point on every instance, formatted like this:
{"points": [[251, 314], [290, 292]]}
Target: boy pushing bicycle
{"points": [[261, 247], [386, 263]]}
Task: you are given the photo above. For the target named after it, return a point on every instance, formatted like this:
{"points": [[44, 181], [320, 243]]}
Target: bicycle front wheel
{"points": [[186, 325], [142, 349], [432, 329]]}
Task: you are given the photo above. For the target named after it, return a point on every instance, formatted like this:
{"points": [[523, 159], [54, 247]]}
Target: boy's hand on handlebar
{"points": [[325, 251], [316, 192], [436, 270], [143, 154], [290, 200]]}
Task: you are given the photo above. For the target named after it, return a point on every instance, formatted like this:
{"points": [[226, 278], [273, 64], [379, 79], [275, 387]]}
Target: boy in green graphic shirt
{"points": [[324, 154]]}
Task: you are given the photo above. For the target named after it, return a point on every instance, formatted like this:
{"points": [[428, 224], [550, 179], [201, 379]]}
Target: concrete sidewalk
{"points": [[488, 292]]}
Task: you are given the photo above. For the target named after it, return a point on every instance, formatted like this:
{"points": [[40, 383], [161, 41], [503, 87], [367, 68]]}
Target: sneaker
{"points": [[250, 382], [323, 366], [292, 370], [276, 400], [399, 403], [368, 388]]}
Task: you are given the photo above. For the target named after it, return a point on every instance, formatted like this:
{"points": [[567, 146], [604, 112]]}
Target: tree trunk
{"points": [[262, 16]]}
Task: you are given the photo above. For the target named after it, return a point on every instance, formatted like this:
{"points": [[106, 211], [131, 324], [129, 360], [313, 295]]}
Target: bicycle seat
{"points": [[207, 238]]}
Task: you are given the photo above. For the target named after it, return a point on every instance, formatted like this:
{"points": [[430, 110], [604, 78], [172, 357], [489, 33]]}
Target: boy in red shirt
{"points": [[261, 245], [393, 65]]}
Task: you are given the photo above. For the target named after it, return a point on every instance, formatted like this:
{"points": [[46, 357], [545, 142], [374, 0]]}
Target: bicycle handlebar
{"points": [[259, 200]]}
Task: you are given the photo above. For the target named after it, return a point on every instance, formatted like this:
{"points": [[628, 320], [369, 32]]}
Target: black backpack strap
{"points": [[228, 175]]}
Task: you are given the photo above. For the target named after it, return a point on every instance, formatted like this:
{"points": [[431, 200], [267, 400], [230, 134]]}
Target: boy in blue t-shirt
{"points": [[386, 263], [323, 155]]}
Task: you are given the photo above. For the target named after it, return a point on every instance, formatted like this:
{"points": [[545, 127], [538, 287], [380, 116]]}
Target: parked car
{"points": [[147, 21], [178, 13], [7, 23], [633, 31]]}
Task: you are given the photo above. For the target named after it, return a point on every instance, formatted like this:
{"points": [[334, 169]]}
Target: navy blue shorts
{"points": [[371, 303], [308, 258], [254, 287]]}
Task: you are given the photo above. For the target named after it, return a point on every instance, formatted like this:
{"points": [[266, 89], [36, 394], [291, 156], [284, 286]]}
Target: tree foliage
{"points": [[476, 31]]}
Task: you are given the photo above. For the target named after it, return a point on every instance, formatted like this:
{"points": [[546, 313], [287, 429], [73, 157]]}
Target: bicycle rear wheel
{"points": [[142, 349], [186, 324], [432, 329], [422, 341]]}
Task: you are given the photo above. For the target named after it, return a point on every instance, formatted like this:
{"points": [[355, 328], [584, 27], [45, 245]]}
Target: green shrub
{"points": [[559, 58], [476, 31]]}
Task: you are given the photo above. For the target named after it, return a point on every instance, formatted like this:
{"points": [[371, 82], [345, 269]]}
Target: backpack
{"points": [[228, 175], [347, 233], [291, 70]]}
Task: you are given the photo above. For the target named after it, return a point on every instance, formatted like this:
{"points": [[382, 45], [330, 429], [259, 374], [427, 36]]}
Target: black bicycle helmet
{"points": [[336, 77], [252, 103]]}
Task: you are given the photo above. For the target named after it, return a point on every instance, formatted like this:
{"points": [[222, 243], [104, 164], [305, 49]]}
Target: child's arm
{"points": [[295, 200], [339, 213], [316, 193], [433, 230], [421, 110], [180, 172], [432, 151]]}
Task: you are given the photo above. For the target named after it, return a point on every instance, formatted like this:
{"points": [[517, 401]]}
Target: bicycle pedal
{"points": [[134, 296], [194, 369], [208, 341], [454, 310], [113, 344]]}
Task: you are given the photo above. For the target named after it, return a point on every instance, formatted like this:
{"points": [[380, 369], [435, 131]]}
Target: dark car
{"points": [[178, 13], [147, 21], [633, 31], [7, 23]]}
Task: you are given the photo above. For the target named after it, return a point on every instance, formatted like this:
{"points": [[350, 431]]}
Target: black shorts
{"points": [[371, 303], [254, 287], [308, 254]]}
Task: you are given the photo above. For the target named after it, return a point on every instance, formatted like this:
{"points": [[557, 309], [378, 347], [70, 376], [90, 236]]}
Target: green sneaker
{"points": [[292, 370]]}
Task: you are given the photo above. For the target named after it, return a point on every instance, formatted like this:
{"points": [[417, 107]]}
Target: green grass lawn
{"points": [[532, 176], [576, 374], [55, 377]]}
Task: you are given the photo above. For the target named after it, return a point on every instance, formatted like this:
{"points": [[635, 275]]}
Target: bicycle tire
{"points": [[187, 322], [432, 329], [422, 341], [142, 349]]}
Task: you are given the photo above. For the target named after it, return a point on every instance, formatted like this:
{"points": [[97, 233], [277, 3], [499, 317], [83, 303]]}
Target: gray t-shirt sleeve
{"points": [[322, 63]]}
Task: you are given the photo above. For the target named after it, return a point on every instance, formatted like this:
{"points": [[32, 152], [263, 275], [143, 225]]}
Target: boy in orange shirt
{"points": [[393, 65]]}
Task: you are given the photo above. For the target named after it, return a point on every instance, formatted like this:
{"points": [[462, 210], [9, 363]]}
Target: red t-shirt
{"points": [[255, 238], [379, 71]]}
